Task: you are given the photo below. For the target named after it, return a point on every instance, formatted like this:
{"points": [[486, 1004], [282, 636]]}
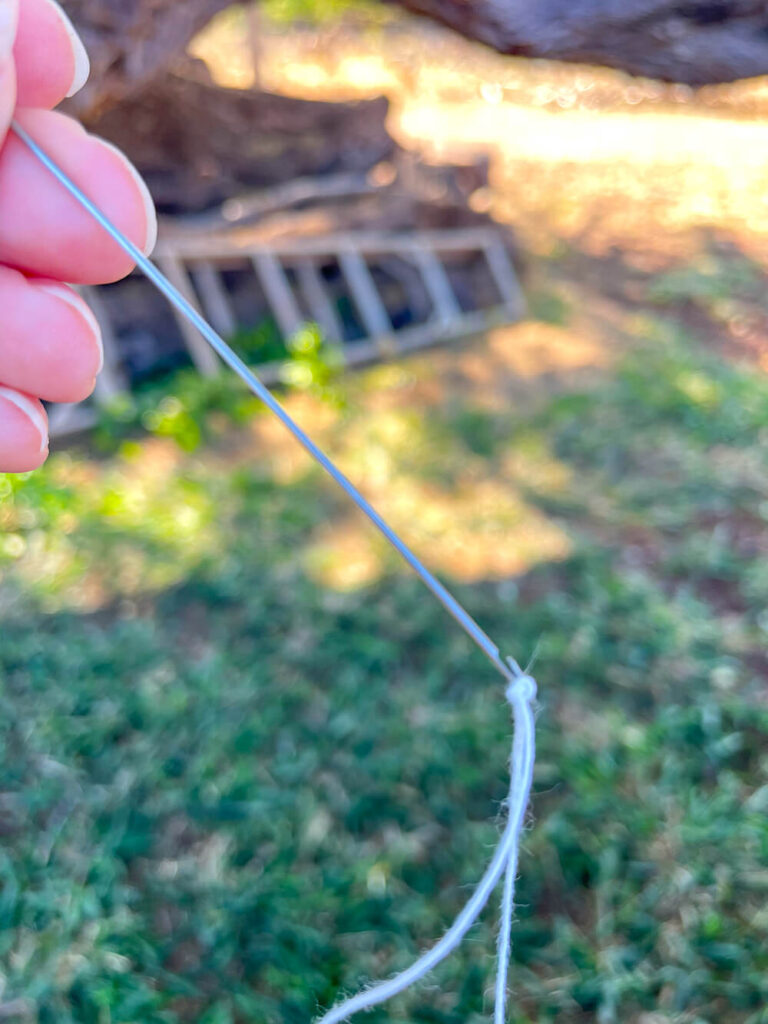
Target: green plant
{"points": [[180, 404], [231, 792], [318, 11]]}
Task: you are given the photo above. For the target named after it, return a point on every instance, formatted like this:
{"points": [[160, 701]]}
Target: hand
{"points": [[50, 345]]}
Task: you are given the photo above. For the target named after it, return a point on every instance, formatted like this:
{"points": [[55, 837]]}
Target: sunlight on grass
{"points": [[144, 519], [136, 524], [477, 530]]}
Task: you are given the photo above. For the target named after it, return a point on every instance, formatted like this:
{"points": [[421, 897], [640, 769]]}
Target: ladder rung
{"points": [[214, 298], [438, 285], [277, 290], [366, 297], [202, 354], [319, 304], [505, 277]]}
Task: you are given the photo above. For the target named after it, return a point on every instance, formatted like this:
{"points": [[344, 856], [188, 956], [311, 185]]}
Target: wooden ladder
{"points": [[290, 279]]}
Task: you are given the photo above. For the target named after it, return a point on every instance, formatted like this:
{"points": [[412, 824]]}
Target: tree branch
{"points": [[691, 41]]}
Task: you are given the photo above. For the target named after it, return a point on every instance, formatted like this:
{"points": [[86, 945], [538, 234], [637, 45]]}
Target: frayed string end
{"points": [[520, 693]]}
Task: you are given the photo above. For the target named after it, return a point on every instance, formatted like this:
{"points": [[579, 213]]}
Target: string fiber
{"points": [[520, 694]]}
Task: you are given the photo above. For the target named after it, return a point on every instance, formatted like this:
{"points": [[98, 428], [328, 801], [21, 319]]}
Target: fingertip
{"points": [[73, 300], [51, 59], [82, 62], [23, 432], [9, 16], [150, 214], [54, 237]]}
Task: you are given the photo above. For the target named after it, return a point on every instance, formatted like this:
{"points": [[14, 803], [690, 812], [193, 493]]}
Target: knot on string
{"points": [[521, 687]]}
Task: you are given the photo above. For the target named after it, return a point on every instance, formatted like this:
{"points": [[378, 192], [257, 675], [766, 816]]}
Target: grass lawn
{"points": [[249, 765]]}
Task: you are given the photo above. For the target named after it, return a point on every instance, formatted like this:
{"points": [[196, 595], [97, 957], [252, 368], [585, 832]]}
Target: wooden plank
{"points": [[364, 294], [505, 277], [320, 307], [411, 339], [278, 292], [214, 298], [200, 351], [426, 335], [239, 242], [242, 208], [443, 297]]}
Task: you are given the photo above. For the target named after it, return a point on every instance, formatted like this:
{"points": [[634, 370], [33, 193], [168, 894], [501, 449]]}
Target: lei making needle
{"points": [[520, 688]]}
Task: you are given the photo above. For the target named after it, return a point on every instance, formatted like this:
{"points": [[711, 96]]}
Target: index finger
{"points": [[9, 12], [51, 62], [43, 229]]}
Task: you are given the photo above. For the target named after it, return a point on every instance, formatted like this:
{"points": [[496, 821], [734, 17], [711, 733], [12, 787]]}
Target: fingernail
{"points": [[73, 299], [82, 63], [149, 205], [9, 12], [31, 411]]}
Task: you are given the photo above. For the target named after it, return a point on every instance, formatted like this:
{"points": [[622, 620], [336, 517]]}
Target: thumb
{"points": [[9, 16]]}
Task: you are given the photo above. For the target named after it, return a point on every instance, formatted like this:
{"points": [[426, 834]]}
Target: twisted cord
{"points": [[520, 693]]}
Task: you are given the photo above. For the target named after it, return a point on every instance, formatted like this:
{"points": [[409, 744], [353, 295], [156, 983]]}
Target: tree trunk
{"points": [[690, 41], [198, 144], [130, 42]]}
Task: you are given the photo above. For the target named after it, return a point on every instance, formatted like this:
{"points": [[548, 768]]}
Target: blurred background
{"points": [[248, 764]]}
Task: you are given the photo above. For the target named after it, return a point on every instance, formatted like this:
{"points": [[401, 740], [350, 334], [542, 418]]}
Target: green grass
{"points": [[231, 794]]}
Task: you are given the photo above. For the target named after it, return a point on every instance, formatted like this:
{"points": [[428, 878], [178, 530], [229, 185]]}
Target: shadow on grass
{"points": [[232, 791]]}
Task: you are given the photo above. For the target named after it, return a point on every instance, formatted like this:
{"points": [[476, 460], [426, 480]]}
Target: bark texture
{"points": [[198, 144], [696, 42], [130, 42], [690, 41]]}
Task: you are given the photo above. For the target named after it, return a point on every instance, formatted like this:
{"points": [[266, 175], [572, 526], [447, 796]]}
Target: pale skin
{"points": [[50, 345]]}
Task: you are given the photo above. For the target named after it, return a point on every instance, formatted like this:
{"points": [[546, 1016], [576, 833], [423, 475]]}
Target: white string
{"points": [[520, 693], [503, 955], [510, 875]]}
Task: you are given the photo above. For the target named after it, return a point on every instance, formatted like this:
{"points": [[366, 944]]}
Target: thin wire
{"points": [[520, 694], [161, 282], [521, 688]]}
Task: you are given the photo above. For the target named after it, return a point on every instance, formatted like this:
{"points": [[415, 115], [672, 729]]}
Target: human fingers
{"points": [[43, 230], [8, 21], [23, 432], [50, 342], [51, 62]]}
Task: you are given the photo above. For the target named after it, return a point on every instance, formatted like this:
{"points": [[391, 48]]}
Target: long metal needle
{"points": [[509, 669]]}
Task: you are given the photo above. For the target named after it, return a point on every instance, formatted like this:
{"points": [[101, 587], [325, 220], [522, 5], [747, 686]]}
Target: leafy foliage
{"points": [[319, 11], [180, 404]]}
